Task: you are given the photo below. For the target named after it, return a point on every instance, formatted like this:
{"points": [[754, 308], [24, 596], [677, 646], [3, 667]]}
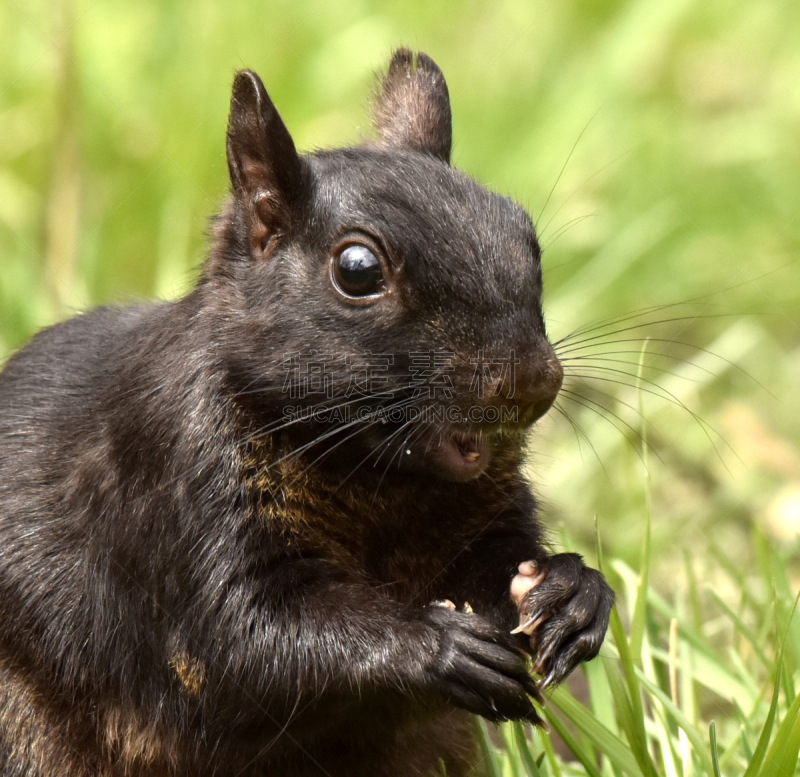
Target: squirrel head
{"points": [[389, 297]]}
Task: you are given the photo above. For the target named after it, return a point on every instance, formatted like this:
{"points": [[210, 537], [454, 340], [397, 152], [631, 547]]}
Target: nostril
{"points": [[543, 390], [533, 411]]}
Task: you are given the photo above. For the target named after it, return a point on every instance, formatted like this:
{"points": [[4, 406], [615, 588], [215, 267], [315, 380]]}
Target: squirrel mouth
{"points": [[462, 456]]}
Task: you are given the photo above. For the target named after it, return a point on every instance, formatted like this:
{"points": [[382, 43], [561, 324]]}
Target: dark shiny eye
{"points": [[357, 272]]}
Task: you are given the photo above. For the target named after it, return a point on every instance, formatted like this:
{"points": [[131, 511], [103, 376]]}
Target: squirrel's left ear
{"points": [[412, 107], [265, 168]]}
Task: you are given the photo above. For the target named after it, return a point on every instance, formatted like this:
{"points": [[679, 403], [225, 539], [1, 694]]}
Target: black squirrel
{"points": [[279, 526]]}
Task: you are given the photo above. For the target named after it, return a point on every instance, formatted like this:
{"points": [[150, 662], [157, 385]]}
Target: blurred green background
{"points": [[657, 144]]}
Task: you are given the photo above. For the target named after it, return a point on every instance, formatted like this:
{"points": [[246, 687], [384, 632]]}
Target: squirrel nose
{"points": [[539, 387], [532, 387], [549, 387]]}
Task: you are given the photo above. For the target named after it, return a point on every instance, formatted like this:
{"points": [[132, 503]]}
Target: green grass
{"points": [[691, 686], [655, 143]]}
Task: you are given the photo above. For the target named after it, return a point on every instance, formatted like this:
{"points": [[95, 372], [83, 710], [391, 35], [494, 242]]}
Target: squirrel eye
{"points": [[357, 272]]}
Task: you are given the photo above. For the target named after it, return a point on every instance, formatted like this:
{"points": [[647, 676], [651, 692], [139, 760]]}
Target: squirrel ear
{"points": [[265, 169], [412, 107]]}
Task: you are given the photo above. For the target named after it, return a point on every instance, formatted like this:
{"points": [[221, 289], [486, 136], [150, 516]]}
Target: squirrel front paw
{"points": [[478, 668], [564, 609]]}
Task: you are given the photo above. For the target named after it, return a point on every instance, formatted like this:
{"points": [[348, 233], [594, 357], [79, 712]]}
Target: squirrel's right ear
{"points": [[412, 106], [265, 169]]}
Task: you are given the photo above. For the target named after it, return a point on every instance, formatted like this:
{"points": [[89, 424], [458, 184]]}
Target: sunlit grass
{"points": [[690, 685]]}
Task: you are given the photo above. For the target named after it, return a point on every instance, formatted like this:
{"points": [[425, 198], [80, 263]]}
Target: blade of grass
{"points": [[742, 628], [712, 734], [601, 700], [781, 759], [523, 747], [639, 616], [662, 728], [614, 748], [585, 758], [552, 761], [487, 749], [760, 752], [628, 699], [509, 755], [693, 734], [774, 572]]}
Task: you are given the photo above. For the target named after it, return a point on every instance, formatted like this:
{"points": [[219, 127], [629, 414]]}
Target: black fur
{"points": [[193, 581]]}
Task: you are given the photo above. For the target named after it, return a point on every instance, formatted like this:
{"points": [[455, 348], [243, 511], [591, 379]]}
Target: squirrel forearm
{"points": [[339, 643]]}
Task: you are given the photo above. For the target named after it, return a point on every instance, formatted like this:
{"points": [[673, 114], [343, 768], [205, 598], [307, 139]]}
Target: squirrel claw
{"points": [[528, 625]]}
